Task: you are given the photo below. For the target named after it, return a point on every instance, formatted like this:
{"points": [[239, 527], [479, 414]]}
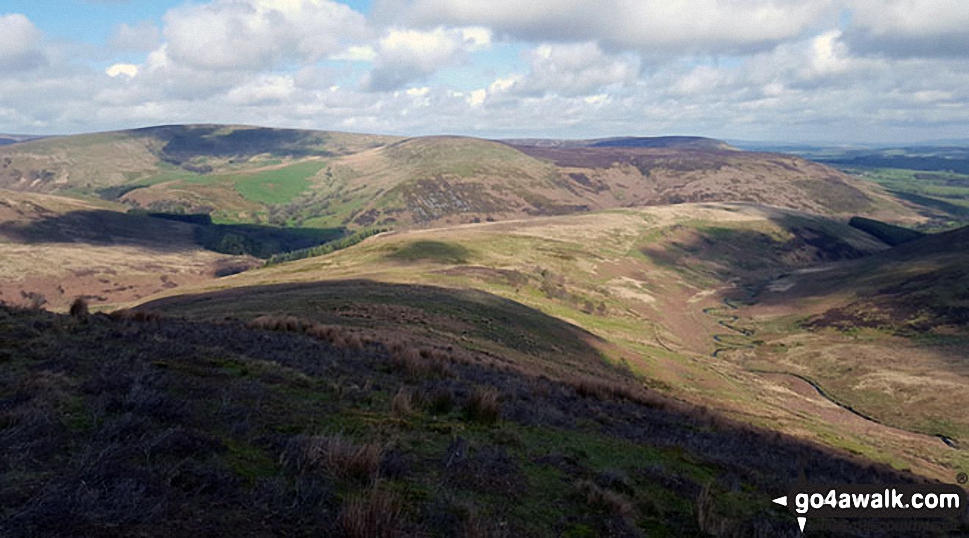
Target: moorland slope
{"points": [[326, 179], [137, 425], [646, 286], [886, 334]]}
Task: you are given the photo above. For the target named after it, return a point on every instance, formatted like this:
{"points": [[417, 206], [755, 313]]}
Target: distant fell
{"points": [[324, 179], [682, 142], [8, 139]]}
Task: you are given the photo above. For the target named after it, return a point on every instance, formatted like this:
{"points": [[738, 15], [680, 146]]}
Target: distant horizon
{"points": [[749, 143]]}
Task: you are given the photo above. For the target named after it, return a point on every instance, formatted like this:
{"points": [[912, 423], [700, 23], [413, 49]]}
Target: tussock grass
{"points": [[484, 406], [375, 514], [440, 401], [421, 363], [606, 500], [402, 404], [335, 455], [134, 315]]}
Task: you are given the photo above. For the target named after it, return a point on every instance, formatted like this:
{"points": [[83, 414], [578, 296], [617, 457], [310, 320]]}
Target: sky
{"points": [[808, 71]]}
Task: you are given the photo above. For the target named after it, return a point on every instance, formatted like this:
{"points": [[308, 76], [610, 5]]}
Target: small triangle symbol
{"points": [[801, 521], [781, 501]]}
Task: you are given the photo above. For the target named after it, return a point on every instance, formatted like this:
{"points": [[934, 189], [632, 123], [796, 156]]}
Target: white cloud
{"points": [[652, 26], [729, 68], [477, 98], [922, 18], [128, 70], [570, 70], [356, 53], [20, 43], [905, 28], [405, 56], [258, 34], [263, 91]]}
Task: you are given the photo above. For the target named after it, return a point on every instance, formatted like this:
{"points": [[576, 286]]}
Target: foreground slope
{"points": [[130, 425], [646, 287]]}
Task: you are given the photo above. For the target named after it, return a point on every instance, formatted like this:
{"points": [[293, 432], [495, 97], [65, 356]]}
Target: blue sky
{"points": [[886, 71], [88, 21]]}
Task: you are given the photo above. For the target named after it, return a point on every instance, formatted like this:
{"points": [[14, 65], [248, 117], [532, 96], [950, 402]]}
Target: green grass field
{"points": [[280, 185], [944, 193]]}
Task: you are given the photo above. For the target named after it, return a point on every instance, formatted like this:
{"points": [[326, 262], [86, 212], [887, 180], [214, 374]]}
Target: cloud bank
{"points": [[794, 70]]}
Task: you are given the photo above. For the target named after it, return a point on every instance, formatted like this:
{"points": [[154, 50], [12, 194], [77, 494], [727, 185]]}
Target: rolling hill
{"points": [[325, 179], [666, 142]]}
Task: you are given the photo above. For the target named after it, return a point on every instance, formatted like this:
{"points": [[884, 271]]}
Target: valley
{"points": [[739, 293]]}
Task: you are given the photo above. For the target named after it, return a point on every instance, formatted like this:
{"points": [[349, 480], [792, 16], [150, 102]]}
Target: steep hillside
{"points": [[646, 287], [919, 286], [131, 425], [650, 176], [447, 180]]}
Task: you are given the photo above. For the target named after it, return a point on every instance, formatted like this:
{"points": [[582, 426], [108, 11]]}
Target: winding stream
{"points": [[739, 338]]}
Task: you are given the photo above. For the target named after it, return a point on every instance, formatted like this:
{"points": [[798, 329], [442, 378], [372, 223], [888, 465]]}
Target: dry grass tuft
{"points": [[604, 390], [402, 404], [708, 519], [484, 406], [336, 456], [440, 401], [279, 323], [134, 315], [376, 514], [423, 363], [607, 500]]}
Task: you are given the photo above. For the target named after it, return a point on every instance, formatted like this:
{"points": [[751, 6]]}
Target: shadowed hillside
{"points": [[160, 427], [53, 249], [917, 286], [482, 322]]}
